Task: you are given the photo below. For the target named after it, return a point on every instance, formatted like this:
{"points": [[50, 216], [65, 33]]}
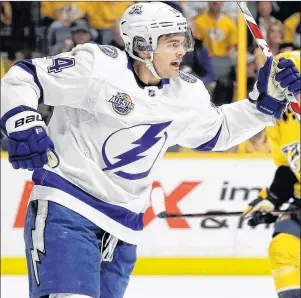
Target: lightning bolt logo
{"points": [[147, 141], [37, 234]]}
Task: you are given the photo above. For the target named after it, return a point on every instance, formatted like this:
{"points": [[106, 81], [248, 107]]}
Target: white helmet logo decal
{"points": [[136, 9]]}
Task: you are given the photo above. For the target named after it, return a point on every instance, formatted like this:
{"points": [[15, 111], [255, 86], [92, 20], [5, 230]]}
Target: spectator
{"points": [[264, 17], [5, 13], [199, 63], [292, 29], [219, 35], [193, 9], [274, 39], [226, 87], [80, 34], [256, 144], [117, 40], [230, 9], [63, 14], [223, 92], [218, 32], [251, 74], [102, 16]]}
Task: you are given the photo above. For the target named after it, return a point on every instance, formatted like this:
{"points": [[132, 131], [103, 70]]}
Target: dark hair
{"points": [[287, 44]]}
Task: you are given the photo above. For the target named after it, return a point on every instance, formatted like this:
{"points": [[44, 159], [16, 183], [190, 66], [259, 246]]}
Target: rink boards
{"points": [[192, 183]]}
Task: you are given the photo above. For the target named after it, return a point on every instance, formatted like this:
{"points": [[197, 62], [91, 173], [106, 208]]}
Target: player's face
{"points": [[168, 55]]}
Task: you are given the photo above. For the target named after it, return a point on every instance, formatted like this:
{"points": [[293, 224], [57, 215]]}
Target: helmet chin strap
{"points": [[150, 65]]}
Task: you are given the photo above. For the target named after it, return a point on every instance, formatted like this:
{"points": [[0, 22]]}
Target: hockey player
{"points": [[115, 115], [284, 250]]}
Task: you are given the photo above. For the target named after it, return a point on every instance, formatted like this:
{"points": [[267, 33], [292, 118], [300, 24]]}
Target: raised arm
{"points": [[221, 128]]}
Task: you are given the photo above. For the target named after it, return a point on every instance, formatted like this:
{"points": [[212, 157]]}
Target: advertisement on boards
{"points": [[189, 185]]}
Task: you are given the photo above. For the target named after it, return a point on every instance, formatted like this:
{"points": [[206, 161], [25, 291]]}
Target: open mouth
{"points": [[175, 64]]}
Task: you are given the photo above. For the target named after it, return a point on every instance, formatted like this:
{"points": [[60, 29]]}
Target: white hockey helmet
{"points": [[142, 24]]}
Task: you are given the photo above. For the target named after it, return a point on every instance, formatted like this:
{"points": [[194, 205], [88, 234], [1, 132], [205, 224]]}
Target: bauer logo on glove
{"points": [[29, 145], [28, 119]]}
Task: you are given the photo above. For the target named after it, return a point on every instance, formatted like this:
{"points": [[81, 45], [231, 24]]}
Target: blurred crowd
{"points": [[36, 29]]}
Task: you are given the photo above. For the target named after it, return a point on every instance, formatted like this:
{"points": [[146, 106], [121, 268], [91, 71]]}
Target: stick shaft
{"points": [[253, 27], [218, 213]]}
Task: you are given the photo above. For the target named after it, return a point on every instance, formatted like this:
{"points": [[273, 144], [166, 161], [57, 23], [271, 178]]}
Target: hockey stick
{"points": [[158, 203], [164, 214], [251, 23]]}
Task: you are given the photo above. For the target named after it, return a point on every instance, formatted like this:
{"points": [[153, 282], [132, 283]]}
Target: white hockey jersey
{"points": [[110, 131]]}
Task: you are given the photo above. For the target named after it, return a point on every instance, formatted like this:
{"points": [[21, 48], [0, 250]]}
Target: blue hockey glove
{"points": [[29, 146], [269, 93], [289, 77], [31, 149]]}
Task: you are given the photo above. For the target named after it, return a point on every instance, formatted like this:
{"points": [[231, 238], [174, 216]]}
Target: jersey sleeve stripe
{"points": [[208, 146], [30, 68]]}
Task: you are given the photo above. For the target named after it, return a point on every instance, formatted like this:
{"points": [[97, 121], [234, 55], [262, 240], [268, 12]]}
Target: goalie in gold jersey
{"points": [[284, 250]]}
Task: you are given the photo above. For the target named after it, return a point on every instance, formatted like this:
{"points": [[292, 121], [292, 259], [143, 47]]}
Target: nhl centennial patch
{"points": [[188, 77], [109, 51]]}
